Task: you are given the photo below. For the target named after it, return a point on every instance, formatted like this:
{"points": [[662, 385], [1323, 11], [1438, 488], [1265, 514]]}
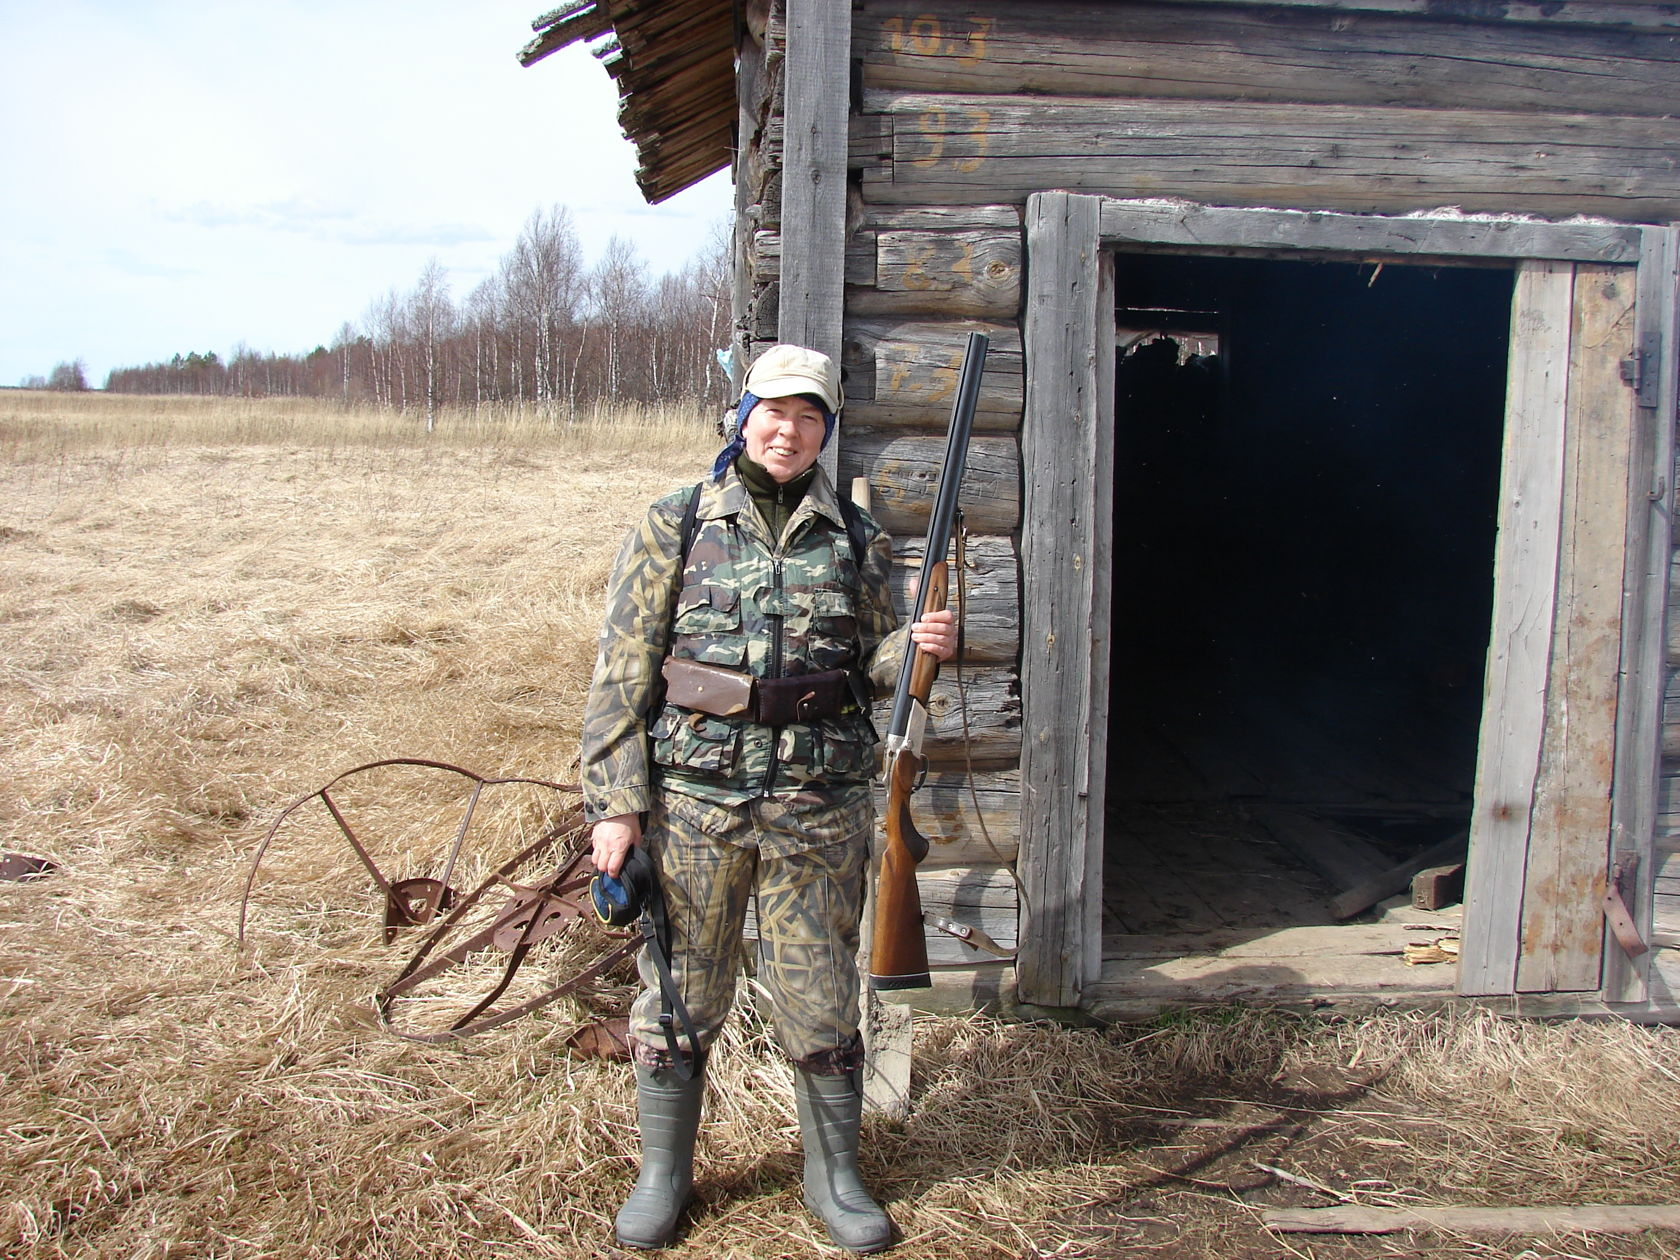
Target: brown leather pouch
{"points": [[707, 688], [807, 698]]}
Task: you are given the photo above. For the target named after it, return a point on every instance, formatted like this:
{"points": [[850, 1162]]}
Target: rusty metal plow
{"points": [[554, 909]]}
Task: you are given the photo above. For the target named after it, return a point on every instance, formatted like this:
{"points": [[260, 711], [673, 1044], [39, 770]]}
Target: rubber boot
{"points": [[830, 1111], [669, 1111]]}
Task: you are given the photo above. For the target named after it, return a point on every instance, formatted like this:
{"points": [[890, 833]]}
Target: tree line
{"points": [[70, 376], [544, 327]]}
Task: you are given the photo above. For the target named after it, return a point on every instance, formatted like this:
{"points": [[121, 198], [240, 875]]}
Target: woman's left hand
{"points": [[936, 634]]}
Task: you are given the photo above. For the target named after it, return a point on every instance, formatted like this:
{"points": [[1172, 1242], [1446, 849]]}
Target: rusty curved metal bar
{"points": [[534, 914], [409, 901]]}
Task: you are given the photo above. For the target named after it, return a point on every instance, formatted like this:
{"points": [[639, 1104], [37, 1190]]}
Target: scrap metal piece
{"points": [[21, 867], [463, 927], [968, 934], [602, 1039], [415, 902]]}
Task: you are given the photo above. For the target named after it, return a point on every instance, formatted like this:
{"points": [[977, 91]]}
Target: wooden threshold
{"points": [[1347, 964], [1350, 968]]}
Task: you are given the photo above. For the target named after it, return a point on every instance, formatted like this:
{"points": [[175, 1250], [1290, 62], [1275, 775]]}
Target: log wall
{"points": [[960, 111]]}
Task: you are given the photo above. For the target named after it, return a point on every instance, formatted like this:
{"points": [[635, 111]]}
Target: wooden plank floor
{"points": [[1200, 866], [1198, 891]]}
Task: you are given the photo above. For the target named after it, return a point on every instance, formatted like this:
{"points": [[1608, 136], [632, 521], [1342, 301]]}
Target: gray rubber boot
{"points": [[669, 1110], [830, 1111]]}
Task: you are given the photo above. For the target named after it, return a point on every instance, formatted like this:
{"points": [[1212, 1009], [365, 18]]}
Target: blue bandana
{"points": [[738, 443]]}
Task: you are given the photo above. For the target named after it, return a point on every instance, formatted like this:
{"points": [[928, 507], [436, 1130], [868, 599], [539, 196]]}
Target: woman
{"points": [[727, 735]]}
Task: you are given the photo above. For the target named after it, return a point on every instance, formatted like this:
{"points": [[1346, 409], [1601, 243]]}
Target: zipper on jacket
{"points": [[777, 649]]}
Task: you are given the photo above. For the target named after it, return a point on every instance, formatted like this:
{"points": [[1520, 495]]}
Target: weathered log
{"points": [[990, 697], [991, 591], [940, 219], [1672, 629], [903, 472], [957, 149], [859, 263], [1165, 51], [1591, 1218], [971, 274], [1216, 229], [974, 273], [767, 255], [960, 834], [906, 373], [1671, 708], [1668, 804], [1665, 884], [979, 897], [1628, 14]]}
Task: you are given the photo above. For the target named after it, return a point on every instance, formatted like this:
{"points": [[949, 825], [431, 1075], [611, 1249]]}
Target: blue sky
{"points": [[185, 175]]}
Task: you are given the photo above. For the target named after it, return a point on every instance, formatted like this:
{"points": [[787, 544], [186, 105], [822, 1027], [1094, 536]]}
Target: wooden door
{"points": [[1566, 780]]}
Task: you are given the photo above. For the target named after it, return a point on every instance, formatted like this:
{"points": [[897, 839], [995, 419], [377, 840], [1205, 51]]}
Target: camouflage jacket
{"points": [[774, 608]]}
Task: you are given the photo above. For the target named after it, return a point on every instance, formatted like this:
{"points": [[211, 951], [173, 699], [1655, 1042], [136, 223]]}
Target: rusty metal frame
{"points": [[408, 902], [534, 914]]}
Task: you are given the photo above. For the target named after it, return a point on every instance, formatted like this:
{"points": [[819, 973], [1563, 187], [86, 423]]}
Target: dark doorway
{"points": [[1306, 492]]}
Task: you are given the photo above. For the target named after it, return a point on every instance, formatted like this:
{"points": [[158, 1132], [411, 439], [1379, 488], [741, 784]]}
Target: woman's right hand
{"points": [[613, 838]]}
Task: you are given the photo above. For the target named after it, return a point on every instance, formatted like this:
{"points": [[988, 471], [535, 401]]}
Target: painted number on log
{"points": [[925, 36], [917, 277], [932, 383], [966, 145]]}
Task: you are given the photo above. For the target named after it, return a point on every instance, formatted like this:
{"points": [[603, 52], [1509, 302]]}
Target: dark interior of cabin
{"points": [[1306, 496]]}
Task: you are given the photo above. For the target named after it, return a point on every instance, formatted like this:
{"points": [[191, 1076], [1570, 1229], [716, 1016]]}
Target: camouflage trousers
{"points": [[805, 859]]}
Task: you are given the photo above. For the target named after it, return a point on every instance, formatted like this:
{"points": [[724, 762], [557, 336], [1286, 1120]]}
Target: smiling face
{"points": [[784, 435]]}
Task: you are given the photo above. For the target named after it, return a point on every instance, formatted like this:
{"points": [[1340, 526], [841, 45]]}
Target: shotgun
{"points": [[898, 954]]}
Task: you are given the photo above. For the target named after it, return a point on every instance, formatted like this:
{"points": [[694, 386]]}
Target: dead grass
{"points": [[198, 626]]}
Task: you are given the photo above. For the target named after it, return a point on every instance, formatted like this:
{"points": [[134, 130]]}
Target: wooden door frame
{"points": [[1067, 473]]}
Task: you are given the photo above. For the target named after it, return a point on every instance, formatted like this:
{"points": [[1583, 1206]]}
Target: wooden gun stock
{"points": [[898, 955]]}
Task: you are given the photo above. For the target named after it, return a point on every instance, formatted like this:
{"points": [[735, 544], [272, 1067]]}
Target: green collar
{"points": [[776, 500]]}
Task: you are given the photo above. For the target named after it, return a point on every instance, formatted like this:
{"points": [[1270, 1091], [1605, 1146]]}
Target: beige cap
{"points": [[784, 370]]}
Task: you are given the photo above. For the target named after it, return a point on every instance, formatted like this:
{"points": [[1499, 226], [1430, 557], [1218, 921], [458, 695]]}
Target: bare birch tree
{"points": [[431, 318], [543, 282], [618, 290]]}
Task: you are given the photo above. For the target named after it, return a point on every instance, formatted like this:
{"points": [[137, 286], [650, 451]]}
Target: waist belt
{"points": [[767, 701]]}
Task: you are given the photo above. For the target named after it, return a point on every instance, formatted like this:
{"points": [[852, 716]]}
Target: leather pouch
{"points": [[707, 688], [806, 698]]}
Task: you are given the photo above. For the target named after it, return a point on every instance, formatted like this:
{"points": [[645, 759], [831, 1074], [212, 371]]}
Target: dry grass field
{"points": [[209, 609]]}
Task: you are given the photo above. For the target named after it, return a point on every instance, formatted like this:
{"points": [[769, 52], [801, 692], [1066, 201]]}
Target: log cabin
{"points": [[1320, 503]]}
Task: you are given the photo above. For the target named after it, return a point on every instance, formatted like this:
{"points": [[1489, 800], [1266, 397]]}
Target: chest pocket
{"points": [[833, 633], [707, 626]]}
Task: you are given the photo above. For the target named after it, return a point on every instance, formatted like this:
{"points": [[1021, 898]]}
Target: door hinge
{"points": [[1616, 910], [1636, 371]]}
